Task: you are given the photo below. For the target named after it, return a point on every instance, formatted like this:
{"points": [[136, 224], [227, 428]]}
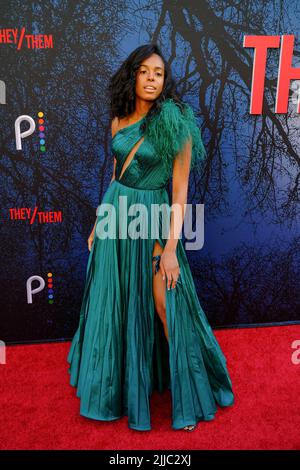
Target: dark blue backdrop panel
{"points": [[56, 61]]}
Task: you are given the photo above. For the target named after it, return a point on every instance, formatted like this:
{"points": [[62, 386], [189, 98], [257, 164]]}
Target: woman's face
{"points": [[150, 78]]}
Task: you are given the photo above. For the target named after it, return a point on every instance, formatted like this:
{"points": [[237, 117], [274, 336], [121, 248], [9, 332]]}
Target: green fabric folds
{"points": [[119, 354]]}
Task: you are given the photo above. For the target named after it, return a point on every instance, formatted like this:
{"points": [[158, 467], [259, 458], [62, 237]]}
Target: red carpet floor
{"points": [[39, 409]]}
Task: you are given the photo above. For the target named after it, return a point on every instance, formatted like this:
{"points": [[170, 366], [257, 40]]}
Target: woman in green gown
{"points": [[141, 325]]}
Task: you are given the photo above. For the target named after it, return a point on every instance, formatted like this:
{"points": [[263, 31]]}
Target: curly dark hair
{"points": [[122, 85]]}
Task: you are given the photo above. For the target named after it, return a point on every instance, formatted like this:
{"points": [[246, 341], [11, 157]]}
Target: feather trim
{"points": [[170, 129]]}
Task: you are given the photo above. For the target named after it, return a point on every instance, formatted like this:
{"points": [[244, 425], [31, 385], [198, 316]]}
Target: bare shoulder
{"points": [[115, 123]]}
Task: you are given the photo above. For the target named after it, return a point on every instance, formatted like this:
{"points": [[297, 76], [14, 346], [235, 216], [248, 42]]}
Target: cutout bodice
{"points": [[138, 164]]}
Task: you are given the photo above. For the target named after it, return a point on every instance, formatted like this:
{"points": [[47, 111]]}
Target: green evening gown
{"points": [[119, 353]]}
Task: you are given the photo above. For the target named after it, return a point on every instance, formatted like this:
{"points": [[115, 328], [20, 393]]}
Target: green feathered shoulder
{"points": [[171, 128]]}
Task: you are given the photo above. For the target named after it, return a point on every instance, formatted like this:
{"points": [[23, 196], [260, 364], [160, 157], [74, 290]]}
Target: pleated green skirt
{"points": [[119, 353]]}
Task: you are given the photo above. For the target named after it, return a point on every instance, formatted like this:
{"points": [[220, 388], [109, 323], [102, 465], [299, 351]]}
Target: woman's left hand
{"points": [[169, 267]]}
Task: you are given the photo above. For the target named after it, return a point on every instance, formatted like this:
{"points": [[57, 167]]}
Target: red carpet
{"points": [[39, 409]]}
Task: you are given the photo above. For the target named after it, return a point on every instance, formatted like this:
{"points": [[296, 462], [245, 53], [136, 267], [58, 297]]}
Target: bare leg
{"points": [[159, 295], [159, 290]]}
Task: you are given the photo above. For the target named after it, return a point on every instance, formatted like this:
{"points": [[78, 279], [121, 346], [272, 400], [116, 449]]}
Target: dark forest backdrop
{"points": [[248, 270]]}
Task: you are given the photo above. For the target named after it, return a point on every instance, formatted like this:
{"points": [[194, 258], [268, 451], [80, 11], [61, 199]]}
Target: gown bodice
{"points": [[161, 143], [145, 169]]}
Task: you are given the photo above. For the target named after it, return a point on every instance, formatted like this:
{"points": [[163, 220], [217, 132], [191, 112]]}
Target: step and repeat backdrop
{"points": [[236, 63]]}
